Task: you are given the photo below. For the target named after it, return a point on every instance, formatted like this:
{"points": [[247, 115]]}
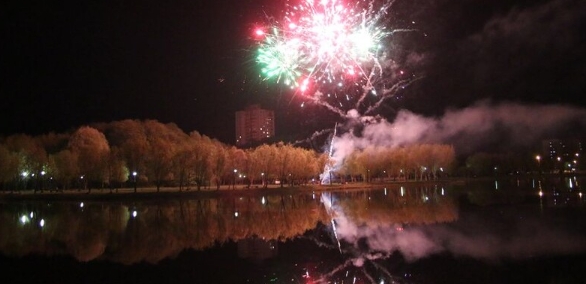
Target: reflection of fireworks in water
{"points": [[358, 259], [333, 53]]}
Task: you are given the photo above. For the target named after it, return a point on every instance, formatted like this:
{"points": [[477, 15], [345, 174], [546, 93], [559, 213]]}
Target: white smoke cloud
{"points": [[470, 129]]}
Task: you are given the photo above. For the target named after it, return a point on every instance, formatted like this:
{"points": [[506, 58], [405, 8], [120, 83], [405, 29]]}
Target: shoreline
{"points": [[151, 193]]}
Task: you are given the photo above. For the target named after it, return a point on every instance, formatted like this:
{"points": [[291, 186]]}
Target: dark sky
{"points": [[64, 64]]}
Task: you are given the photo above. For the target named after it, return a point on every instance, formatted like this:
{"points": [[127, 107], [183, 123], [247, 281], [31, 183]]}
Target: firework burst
{"points": [[333, 53]]}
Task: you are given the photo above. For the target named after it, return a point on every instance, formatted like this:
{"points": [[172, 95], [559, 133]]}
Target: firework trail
{"points": [[325, 177], [314, 136]]}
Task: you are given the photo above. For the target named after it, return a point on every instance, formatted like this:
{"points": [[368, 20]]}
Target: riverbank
{"points": [[174, 192]]}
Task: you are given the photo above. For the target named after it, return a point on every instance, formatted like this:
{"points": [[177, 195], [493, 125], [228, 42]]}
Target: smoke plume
{"points": [[481, 127]]}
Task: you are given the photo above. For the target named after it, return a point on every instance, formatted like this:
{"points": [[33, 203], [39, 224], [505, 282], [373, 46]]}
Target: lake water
{"points": [[514, 230]]}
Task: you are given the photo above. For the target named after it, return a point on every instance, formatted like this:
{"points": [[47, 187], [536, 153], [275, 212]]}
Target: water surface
{"points": [[514, 230]]}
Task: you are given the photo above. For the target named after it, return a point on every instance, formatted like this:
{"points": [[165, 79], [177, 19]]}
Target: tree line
{"points": [[141, 153]]}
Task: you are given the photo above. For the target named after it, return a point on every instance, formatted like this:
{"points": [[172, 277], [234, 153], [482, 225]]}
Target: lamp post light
{"points": [[24, 176], [234, 184], [42, 180], [538, 158], [134, 180], [262, 177]]}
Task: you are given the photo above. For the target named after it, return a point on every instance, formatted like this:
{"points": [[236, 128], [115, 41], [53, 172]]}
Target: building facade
{"points": [[561, 155], [254, 125]]}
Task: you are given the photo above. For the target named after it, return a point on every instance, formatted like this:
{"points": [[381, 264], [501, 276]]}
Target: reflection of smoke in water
{"points": [[365, 242]]}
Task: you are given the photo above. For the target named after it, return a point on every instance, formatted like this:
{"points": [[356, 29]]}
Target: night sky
{"points": [[64, 64]]}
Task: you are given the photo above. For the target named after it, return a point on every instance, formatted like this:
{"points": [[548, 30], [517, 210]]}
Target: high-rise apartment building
{"points": [[254, 124], [562, 155], [556, 149]]}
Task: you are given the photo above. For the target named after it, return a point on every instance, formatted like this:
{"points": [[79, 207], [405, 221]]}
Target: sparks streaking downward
{"points": [[331, 48]]}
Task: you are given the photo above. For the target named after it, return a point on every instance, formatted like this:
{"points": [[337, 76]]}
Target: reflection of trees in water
{"points": [[422, 205], [159, 230], [151, 231], [67, 229]]}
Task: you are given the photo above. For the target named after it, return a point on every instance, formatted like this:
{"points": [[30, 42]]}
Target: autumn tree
{"points": [[296, 162], [130, 137], [311, 166], [283, 160], [162, 145], [218, 162], [8, 168], [236, 160], [92, 150], [266, 157], [351, 166], [117, 172], [201, 148], [32, 158], [66, 168], [443, 159], [183, 164]]}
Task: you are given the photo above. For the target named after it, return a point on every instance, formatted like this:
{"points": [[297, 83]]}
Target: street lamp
{"points": [[262, 177], [538, 158], [134, 178], [234, 184], [24, 176], [42, 180]]}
